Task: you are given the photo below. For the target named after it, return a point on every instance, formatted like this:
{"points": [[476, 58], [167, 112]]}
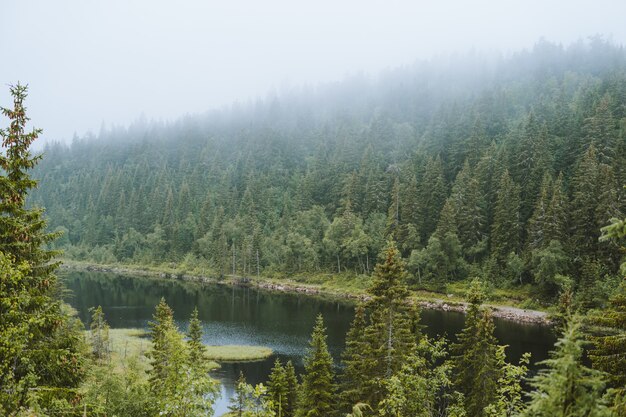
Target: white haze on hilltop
{"points": [[93, 61]]}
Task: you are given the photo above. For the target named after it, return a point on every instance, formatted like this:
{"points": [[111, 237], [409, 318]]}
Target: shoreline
{"points": [[504, 312]]}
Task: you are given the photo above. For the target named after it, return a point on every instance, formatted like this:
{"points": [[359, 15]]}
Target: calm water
{"points": [[247, 316]]}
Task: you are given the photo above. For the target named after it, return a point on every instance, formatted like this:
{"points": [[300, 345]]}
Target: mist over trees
{"points": [[503, 168]]}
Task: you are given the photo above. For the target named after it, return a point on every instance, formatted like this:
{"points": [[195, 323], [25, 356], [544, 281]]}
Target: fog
{"points": [[90, 62]]}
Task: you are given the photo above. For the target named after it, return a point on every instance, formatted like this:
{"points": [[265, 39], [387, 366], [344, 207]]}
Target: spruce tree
{"points": [[278, 389], [566, 387], [292, 390], [197, 350], [390, 334], [538, 223], [49, 362], [99, 335], [317, 397], [353, 377], [163, 322], [238, 401], [505, 230], [609, 353], [585, 230], [475, 355]]}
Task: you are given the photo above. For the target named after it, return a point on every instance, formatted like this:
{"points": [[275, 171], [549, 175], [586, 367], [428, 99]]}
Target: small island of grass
{"points": [[238, 353]]}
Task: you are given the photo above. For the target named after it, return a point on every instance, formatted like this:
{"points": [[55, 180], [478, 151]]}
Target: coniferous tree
{"points": [[585, 230], [163, 322], [475, 356], [505, 230], [238, 401], [278, 389], [353, 377], [50, 351], [292, 390], [317, 398], [99, 335], [566, 387], [197, 350], [539, 221]]}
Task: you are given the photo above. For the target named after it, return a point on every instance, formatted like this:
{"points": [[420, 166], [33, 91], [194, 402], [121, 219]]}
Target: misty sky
{"points": [[89, 61]]}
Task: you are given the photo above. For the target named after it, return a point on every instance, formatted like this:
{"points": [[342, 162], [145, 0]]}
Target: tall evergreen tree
{"points": [[278, 389], [317, 397], [46, 355], [566, 387], [505, 230], [475, 356], [292, 390], [197, 350], [353, 377]]}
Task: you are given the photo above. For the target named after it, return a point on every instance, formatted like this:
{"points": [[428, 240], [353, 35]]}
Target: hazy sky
{"points": [[89, 61]]}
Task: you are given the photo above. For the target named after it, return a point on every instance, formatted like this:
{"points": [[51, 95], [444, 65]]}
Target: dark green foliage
{"points": [[292, 390], [490, 168], [278, 389], [238, 401], [41, 349], [181, 387], [476, 368], [317, 398], [505, 229], [609, 353], [566, 387], [353, 378], [99, 335], [384, 333], [197, 350]]}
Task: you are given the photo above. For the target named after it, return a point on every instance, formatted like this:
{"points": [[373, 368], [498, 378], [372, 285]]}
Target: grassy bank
{"points": [[517, 303], [238, 353], [133, 343]]}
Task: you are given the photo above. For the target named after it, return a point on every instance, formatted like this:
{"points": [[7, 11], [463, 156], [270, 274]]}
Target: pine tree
{"points": [[181, 388], [505, 230], [278, 389], [318, 387], [50, 357], [538, 223], [566, 387], [99, 335], [292, 390], [432, 194], [353, 377], [390, 335], [585, 232], [238, 401], [197, 350], [163, 322], [475, 355], [557, 213], [393, 213]]}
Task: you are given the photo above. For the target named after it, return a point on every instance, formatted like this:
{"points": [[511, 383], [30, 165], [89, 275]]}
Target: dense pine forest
{"points": [[495, 172], [503, 168]]}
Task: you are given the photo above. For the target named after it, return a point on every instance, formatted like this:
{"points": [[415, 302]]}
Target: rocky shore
{"points": [[502, 312]]}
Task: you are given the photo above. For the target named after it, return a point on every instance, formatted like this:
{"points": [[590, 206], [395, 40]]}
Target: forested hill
{"points": [[502, 168]]}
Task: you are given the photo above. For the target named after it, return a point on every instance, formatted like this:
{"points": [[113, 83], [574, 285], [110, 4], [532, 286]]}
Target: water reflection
{"points": [[234, 315]]}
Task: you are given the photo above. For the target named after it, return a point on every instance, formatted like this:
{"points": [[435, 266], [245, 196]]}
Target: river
{"points": [[247, 316]]}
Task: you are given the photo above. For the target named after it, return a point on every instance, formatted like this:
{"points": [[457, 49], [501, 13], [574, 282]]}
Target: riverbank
{"points": [[426, 299]]}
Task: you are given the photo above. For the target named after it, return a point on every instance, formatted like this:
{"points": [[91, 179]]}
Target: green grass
{"points": [[329, 284], [238, 353], [132, 343]]}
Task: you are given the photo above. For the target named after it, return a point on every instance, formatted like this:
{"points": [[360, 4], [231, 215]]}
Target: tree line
{"points": [[509, 179], [389, 367]]}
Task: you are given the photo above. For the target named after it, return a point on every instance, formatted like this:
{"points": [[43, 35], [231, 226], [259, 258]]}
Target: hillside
{"points": [[503, 168]]}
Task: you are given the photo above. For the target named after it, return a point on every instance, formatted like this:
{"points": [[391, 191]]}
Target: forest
{"points": [[498, 168], [500, 174]]}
